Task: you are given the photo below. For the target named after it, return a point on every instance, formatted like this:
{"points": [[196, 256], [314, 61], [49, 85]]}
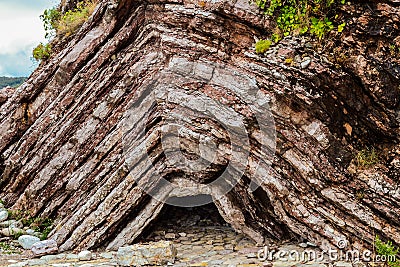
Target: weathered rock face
{"points": [[94, 129]]}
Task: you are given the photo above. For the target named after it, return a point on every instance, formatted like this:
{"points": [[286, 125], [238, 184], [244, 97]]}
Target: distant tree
{"points": [[11, 81]]}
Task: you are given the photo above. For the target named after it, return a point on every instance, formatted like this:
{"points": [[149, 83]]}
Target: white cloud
{"points": [[20, 31]]}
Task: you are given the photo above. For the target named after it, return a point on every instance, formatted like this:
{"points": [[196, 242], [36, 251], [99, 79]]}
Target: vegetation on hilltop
{"points": [[62, 25], [11, 81]]}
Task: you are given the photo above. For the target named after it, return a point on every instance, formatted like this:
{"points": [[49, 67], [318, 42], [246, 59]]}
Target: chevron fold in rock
{"points": [[90, 140]]}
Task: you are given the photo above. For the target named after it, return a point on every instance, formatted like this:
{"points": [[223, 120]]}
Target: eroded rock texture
{"points": [[94, 129]]}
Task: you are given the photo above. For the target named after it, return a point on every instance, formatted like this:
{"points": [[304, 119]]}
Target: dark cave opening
{"points": [[175, 222]]}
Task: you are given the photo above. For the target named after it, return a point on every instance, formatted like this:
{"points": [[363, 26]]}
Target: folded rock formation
{"points": [[153, 102]]}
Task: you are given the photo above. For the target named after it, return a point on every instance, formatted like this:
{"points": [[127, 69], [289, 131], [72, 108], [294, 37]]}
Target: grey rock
{"points": [[10, 231], [303, 245], [251, 255], [27, 241], [155, 253], [107, 255], [311, 244], [6, 223], [305, 63], [36, 262], [3, 215], [170, 236], [44, 247], [216, 262], [50, 257], [30, 232], [71, 257], [16, 224], [85, 255]]}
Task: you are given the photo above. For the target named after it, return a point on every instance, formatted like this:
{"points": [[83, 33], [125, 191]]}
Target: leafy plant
{"points": [[73, 19], [387, 249], [367, 158], [42, 52], [262, 46], [38, 224], [320, 27], [16, 235], [7, 249], [42, 225], [50, 18], [18, 214], [341, 27], [299, 17], [62, 25]]}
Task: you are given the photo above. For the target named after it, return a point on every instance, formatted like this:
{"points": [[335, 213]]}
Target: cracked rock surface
{"points": [[91, 138]]}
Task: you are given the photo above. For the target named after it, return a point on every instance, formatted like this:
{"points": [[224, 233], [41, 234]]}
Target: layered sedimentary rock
{"points": [[153, 101]]}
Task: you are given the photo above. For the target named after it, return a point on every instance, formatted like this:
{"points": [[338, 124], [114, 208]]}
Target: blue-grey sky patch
{"points": [[20, 31]]}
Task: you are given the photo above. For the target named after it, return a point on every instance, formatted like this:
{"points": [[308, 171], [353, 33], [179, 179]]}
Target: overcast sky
{"points": [[20, 31]]}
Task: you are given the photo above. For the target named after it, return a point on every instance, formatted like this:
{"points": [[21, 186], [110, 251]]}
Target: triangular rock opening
{"points": [[176, 223]]}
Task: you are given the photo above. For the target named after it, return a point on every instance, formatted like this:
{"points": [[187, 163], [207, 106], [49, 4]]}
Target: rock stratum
{"points": [[154, 101]]}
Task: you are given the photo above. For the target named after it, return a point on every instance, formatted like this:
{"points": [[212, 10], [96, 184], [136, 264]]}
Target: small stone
{"points": [[303, 245], [305, 63], [45, 247], [154, 253], [251, 255], [30, 232], [3, 215], [309, 45], [170, 236], [27, 241], [35, 262], [50, 257], [71, 257], [16, 224], [311, 244], [85, 255], [6, 232], [342, 264], [182, 234], [107, 255], [6, 223], [37, 234]]}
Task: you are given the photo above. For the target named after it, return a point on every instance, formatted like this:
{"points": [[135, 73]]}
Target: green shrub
{"points": [[73, 19], [320, 27], [38, 224], [367, 158], [262, 46], [299, 17], [50, 18], [7, 249], [42, 52], [42, 225], [387, 249], [55, 22]]}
